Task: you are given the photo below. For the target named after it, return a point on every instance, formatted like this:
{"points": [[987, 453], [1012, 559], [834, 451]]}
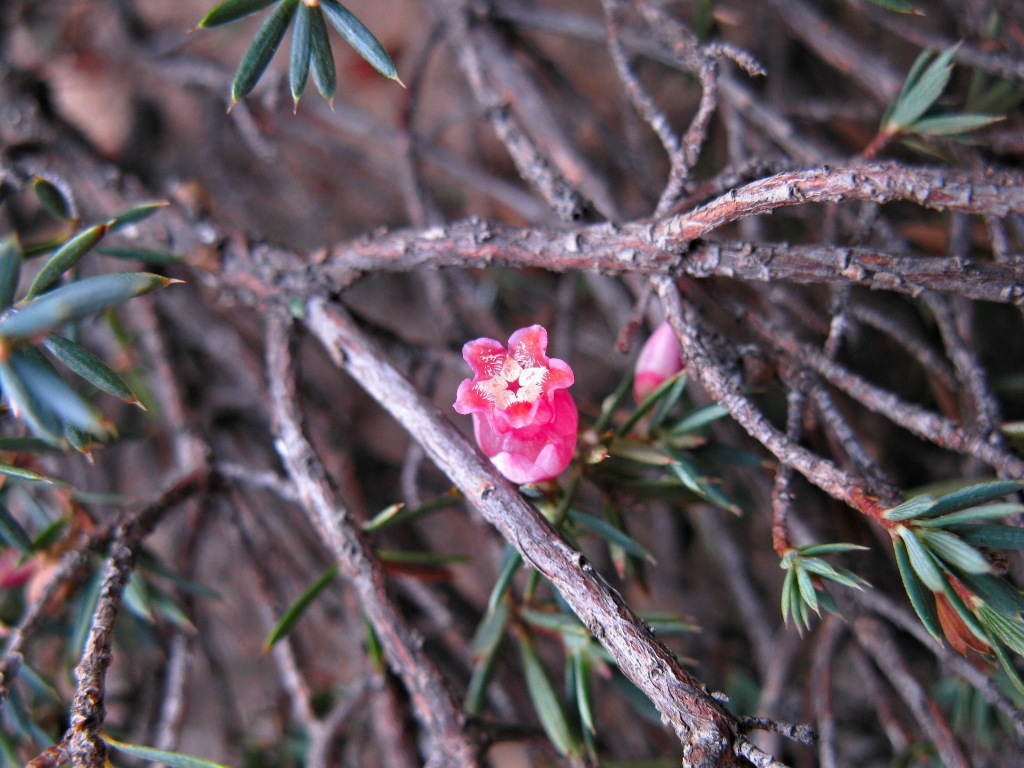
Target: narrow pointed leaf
{"points": [[952, 125], [817, 550], [996, 592], [921, 598], [984, 512], [298, 64], [321, 57], [649, 402], [89, 367], [899, 6], [10, 270], [145, 255], [65, 258], [359, 37], [262, 48], [833, 573], [40, 419], [584, 695], [995, 536], [545, 701], [230, 11], [923, 92], [136, 598], [54, 199], [1009, 631], [510, 563], [806, 587], [485, 647], [76, 300], [55, 394], [79, 440], [954, 550], [20, 473], [923, 562], [974, 495], [914, 507], [297, 608], [562, 623], [12, 534], [135, 214], [1007, 664], [173, 759], [699, 418], [609, 532], [788, 590]]}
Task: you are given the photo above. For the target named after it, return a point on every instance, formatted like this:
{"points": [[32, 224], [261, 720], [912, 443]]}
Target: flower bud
{"points": [[659, 359]]}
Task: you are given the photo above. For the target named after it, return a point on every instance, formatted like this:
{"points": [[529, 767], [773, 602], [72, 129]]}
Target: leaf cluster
{"points": [[310, 43]]}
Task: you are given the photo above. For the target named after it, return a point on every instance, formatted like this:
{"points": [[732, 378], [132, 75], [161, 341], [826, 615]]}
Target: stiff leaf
{"points": [[954, 550], [545, 701], [28, 406], [914, 507], [54, 199], [20, 473], [10, 270], [76, 300], [607, 531], [923, 87], [12, 534], [359, 37], [89, 367], [1009, 631], [921, 597], [65, 258], [972, 514], [297, 608], [952, 125], [173, 759], [974, 495], [899, 6], [321, 58], [262, 48], [230, 11], [996, 592], [923, 562], [54, 393], [145, 255], [298, 65], [136, 213], [996, 536]]}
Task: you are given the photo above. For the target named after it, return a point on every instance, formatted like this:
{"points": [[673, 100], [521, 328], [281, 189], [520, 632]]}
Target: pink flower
{"points": [[523, 417], [659, 359]]}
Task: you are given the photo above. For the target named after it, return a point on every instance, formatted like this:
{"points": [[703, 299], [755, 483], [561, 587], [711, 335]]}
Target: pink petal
{"points": [[484, 356], [529, 344], [659, 359]]}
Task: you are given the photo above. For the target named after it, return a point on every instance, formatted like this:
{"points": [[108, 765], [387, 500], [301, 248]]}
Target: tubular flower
{"points": [[659, 359], [523, 417]]}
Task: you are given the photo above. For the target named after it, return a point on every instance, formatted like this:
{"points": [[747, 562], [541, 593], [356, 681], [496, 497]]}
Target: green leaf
{"points": [[970, 515], [10, 270], [136, 598], [698, 418], [173, 759], [607, 531], [28, 406], [89, 367], [665, 405], [953, 550], [50, 535], [817, 550], [12, 533], [833, 573], [76, 300], [923, 562], [807, 591], [54, 199], [145, 255], [21, 473], [584, 694], [1009, 631], [54, 393], [974, 495], [65, 258], [914, 507], [416, 557], [510, 562], [321, 57], [485, 647], [25, 445], [995, 536], [922, 88], [562, 623], [899, 6], [788, 592], [262, 48], [297, 608], [298, 64], [359, 37], [230, 11], [136, 213], [952, 125], [1007, 664], [921, 598], [649, 402], [545, 701], [996, 592]]}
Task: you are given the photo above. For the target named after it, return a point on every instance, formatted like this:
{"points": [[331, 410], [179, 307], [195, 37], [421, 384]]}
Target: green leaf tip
{"points": [[231, 10], [360, 38]]}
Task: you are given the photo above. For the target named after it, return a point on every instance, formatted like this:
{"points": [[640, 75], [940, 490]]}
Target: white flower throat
{"points": [[512, 381]]}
